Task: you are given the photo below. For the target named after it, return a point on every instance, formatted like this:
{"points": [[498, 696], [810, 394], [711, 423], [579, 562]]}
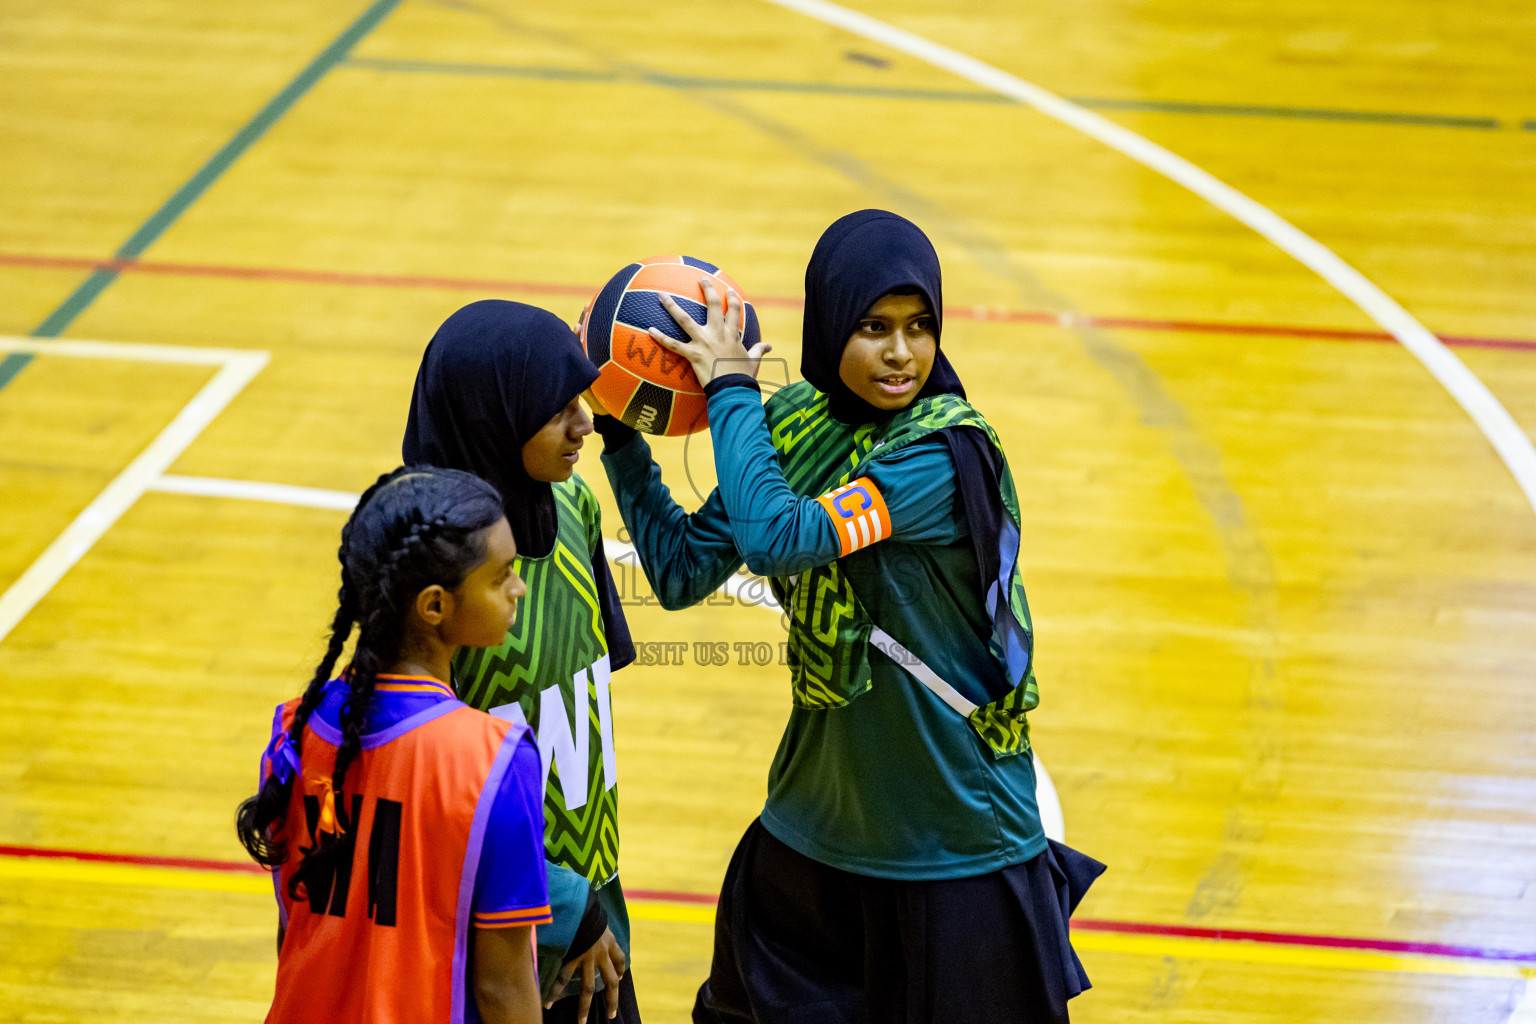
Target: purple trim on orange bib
{"points": [[467, 877], [264, 766], [332, 735]]}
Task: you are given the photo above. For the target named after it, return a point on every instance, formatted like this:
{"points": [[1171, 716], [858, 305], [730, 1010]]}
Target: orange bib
{"points": [[386, 938]]}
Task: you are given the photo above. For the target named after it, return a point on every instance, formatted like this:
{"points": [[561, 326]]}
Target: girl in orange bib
{"points": [[404, 830]]}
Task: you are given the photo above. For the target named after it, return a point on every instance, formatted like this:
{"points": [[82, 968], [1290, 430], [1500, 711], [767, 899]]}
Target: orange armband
{"points": [[858, 515]]}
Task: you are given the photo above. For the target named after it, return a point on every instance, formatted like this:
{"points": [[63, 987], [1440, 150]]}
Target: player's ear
{"points": [[434, 604]]}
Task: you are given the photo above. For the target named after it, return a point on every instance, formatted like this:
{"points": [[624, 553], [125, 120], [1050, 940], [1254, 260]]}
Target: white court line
{"points": [[1511, 443], [251, 490], [130, 351], [235, 370], [747, 589]]}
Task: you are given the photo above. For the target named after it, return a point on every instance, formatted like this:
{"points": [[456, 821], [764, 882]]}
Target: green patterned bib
{"points": [[829, 630], [552, 671]]}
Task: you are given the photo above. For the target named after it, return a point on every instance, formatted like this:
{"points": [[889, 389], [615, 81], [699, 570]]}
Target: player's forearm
{"points": [[777, 532], [505, 983], [685, 556], [509, 1003]]}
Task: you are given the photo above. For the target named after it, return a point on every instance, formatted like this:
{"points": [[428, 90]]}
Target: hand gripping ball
{"points": [[638, 381]]}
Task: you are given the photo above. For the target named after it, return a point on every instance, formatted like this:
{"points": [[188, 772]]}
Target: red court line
{"points": [[702, 899], [1302, 939], [666, 896], [973, 313], [138, 860]]}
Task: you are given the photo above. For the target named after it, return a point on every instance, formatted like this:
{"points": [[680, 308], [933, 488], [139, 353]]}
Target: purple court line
{"points": [[702, 899], [978, 314]]}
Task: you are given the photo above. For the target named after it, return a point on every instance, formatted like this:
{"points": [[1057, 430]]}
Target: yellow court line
{"points": [[36, 869], [653, 910]]}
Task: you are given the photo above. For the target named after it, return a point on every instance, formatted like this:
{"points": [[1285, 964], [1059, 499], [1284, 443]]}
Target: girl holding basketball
{"points": [[403, 829], [899, 871], [497, 395]]}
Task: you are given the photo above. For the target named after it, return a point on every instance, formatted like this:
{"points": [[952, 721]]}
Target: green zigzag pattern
{"points": [[827, 650], [558, 632], [829, 629]]}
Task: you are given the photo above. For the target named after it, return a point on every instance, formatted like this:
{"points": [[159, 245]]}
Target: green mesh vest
{"points": [[552, 671], [829, 630]]}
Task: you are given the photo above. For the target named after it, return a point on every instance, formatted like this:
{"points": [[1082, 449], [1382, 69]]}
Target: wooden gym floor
{"points": [[1285, 587]]}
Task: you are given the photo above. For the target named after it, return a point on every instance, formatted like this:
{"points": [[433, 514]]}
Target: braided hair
{"points": [[415, 527]]}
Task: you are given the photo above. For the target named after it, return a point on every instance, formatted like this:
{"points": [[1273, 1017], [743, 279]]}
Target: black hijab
{"points": [[493, 375], [859, 258]]}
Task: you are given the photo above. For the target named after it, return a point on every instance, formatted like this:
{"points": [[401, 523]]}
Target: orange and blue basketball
{"points": [[640, 382]]}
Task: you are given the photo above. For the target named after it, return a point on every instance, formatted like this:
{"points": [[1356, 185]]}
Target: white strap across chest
{"points": [[921, 672]]}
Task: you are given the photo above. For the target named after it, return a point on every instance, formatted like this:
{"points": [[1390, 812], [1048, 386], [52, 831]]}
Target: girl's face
{"points": [[484, 606], [889, 356], [551, 454]]}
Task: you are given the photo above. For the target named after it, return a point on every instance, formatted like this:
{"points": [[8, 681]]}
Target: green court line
{"points": [[60, 319], [559, 74], [11, 365], [1294, 113]]}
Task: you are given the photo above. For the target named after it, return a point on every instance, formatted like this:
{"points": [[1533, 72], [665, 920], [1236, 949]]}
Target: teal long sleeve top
{"points": [[894, 784]]}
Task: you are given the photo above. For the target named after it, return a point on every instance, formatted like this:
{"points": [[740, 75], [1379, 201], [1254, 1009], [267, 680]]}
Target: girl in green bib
{"points": [[497, 395], [898, 871]]}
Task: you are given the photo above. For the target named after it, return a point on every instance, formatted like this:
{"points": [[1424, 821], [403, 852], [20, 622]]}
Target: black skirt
{"points": [[798, 942]]}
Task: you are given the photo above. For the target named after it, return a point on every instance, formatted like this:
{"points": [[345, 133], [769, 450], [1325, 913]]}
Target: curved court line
{"points": [[746, 589], [1501, 430]]}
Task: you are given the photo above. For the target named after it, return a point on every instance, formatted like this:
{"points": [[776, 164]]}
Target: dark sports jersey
{"points": [[552, 673], [893, 783], [386, 936]]}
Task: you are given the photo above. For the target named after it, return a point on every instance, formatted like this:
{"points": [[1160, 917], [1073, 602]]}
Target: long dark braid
{"points": [[415, 527], [378, 641]]}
